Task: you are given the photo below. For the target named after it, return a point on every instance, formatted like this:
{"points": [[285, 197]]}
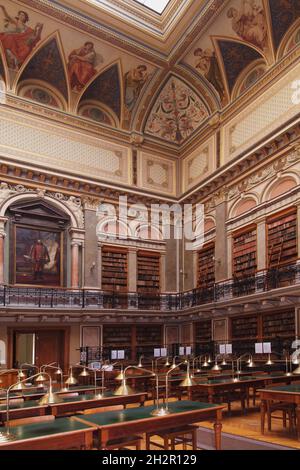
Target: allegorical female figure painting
{"points": [[250, 23], [81, 65], [17, 38]]}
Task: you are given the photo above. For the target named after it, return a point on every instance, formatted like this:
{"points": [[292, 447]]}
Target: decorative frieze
{"points": [[72, 202]]}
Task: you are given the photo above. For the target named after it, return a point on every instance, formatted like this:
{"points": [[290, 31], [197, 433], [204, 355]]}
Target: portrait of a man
{"points": [[38, 257]]}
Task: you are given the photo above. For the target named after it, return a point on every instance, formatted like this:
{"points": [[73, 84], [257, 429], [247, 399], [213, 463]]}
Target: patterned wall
{"points": [[198, 165], [263, 116], [55, 148], [157, 174]]}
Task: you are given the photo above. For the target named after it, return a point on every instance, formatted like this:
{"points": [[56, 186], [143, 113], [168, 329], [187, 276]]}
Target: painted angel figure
{"points": [[18, 39]]}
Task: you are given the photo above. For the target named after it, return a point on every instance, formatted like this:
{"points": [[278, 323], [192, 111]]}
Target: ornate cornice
{"points": [[232, 171]]}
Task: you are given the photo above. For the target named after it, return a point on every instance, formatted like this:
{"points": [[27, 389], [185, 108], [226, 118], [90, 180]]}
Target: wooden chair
{"points": [[117, 444], [287, 410], [184, 435]]}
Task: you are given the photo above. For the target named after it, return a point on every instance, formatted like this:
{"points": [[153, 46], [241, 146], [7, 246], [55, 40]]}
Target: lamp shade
{"points": [[71, 380], [123, 389], [50, 398], [188, 381], [216, 367], [120, 376], [297, 371], [84, 373], [251, 364], [269, 361], [18, 387], [41, 378]]}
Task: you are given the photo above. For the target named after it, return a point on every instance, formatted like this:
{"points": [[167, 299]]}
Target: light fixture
{"points": [[224, 363], [140, 362], [216, 366], [167, 363], [71, 379], [50, 397], [124, 389], [120, 376], [251, 363], [205, 363], [188, 380], [269, 361], [84, 373]]}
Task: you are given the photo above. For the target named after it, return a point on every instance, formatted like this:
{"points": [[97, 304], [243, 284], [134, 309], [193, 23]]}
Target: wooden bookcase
{"points": [[280, 324], [206, 266], [114, 269], [244, 327], [148, 273], [148, 337], [134, 339], [244, 248], [282, 238], [203, 337]]}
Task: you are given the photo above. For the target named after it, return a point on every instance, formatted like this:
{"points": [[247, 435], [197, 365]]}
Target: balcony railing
{"points": [[263, 281]]}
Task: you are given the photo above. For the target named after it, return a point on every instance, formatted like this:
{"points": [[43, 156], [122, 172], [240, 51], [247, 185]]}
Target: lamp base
{"points": [[6, 437], [160, 412]]}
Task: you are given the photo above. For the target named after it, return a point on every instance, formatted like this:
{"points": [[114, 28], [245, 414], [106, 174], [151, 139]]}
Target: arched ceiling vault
{"points": [[97, 67]]}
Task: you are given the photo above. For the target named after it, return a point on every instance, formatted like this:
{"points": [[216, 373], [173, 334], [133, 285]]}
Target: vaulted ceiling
{"points": [[122, 65]]}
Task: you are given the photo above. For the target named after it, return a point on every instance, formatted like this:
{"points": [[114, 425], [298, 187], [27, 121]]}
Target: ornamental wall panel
{"points": [[264, 115], [157, 174], [197, 166], [52, 147]]}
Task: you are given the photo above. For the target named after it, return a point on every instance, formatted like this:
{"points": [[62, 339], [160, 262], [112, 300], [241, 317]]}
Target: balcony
{"points": [[42, 298]]}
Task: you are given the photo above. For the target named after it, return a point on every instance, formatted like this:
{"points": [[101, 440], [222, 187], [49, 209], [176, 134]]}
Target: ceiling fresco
{"points": [[59, 65]]}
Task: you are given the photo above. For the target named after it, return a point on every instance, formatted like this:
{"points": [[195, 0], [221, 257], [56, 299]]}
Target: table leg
{"points": [[298, 421], [218, 434], [263, 408]]}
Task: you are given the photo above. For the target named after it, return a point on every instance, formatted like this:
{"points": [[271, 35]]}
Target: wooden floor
{"points": [[249, 426]]}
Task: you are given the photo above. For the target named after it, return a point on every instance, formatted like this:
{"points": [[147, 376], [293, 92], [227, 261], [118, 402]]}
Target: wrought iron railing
{"points": [[38, 297]]}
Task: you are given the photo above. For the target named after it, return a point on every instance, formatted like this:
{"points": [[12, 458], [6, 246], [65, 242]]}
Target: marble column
{"points": [[99, 266], [75, 265], [261, 245], [2, 236], [3, 221], [132, 270], [162, 272], [221, 245], [90, 250], [229, 255], [298, 229]]}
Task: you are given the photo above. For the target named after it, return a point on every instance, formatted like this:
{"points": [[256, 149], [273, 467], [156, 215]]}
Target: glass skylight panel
{"points": [[156, 5]]}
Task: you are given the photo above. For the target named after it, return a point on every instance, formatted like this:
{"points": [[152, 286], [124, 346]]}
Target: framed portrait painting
{"points": [[38, 256]]}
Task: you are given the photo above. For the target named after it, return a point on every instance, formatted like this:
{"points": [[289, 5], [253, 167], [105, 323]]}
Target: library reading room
{"points": [[149, 225]]}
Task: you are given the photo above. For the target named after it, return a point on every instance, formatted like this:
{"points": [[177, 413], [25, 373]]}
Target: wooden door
{"points": [[49, 347]]}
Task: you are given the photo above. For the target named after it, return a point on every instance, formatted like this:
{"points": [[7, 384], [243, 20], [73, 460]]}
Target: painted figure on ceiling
{"points": [[250, 23], [18, 39], [134, 82], [81, 66], [207, 64]]}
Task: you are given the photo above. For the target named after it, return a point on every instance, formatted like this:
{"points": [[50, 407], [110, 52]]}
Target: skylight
{"points": [[156, 5]]}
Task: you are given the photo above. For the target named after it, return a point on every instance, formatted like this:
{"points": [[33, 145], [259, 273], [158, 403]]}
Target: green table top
{"points": [[284, 388], [35, 404], [57, 426], [133, 414]]}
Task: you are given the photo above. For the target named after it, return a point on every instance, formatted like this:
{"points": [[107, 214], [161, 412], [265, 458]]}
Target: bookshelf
{"points": [[246, 327], [148, 337], [206, 266], [148, 273], [244, 253], [282, 238], [203, 331], [114, 270], [281, 324], [117, 336]]}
